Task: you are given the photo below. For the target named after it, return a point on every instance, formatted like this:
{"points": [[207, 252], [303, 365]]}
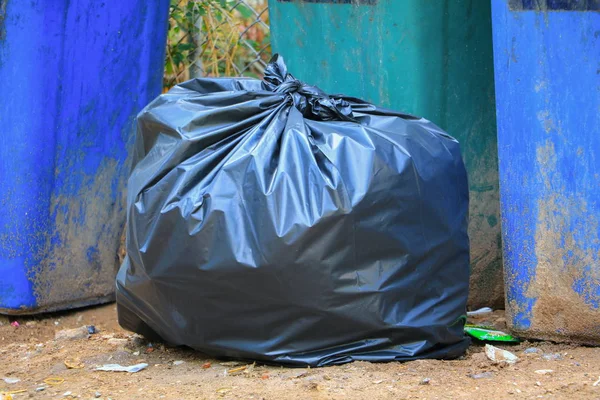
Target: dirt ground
{"points": [[30, 354]]}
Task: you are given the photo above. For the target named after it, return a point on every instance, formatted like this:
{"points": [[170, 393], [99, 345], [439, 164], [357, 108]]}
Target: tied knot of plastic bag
{"points": [[311, 101]]}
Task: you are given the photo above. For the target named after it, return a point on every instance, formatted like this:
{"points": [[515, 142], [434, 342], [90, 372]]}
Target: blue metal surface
{"points": [[73, 75], [547, 66]]}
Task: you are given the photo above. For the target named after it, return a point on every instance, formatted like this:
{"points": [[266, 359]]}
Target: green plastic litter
{"points": [[488, 334]]}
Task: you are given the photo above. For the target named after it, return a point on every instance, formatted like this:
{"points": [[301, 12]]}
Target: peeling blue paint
{"points": [[590, 293]]}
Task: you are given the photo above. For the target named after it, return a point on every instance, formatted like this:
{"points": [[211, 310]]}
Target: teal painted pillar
{"points": [[429, 58]]}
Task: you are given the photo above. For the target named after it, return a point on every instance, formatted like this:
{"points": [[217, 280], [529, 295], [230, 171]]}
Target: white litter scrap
{"points": [[499, 356], [120, 368], [481, 311]]}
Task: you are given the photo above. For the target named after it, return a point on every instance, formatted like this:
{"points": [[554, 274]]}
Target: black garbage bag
{"points": [[270, 221]]}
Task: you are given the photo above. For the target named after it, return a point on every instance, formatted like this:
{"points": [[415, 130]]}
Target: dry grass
{"points": [[216, 38]]}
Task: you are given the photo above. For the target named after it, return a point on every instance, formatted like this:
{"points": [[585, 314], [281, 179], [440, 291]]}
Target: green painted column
{"points": [[431, 58]]}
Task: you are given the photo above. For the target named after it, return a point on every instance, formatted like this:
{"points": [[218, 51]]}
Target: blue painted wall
{"points": [[73, 75], [547, 67]]}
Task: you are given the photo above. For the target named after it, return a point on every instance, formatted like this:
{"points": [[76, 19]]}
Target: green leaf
{"points": [[177, 58], [185, 46], [169, 68], [245, 11]]}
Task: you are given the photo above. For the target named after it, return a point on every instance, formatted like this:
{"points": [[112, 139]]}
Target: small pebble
{"points": [[425, 381], [10, 381], [40, 389], [97, 394], [544, 371], [552, 356], [531, 350], [482, 375], [72, 334], [117, 342], [92, 329], [178, 362], [137, 340]]}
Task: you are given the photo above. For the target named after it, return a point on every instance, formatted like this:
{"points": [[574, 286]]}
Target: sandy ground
{"points": [[30, 354]]}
